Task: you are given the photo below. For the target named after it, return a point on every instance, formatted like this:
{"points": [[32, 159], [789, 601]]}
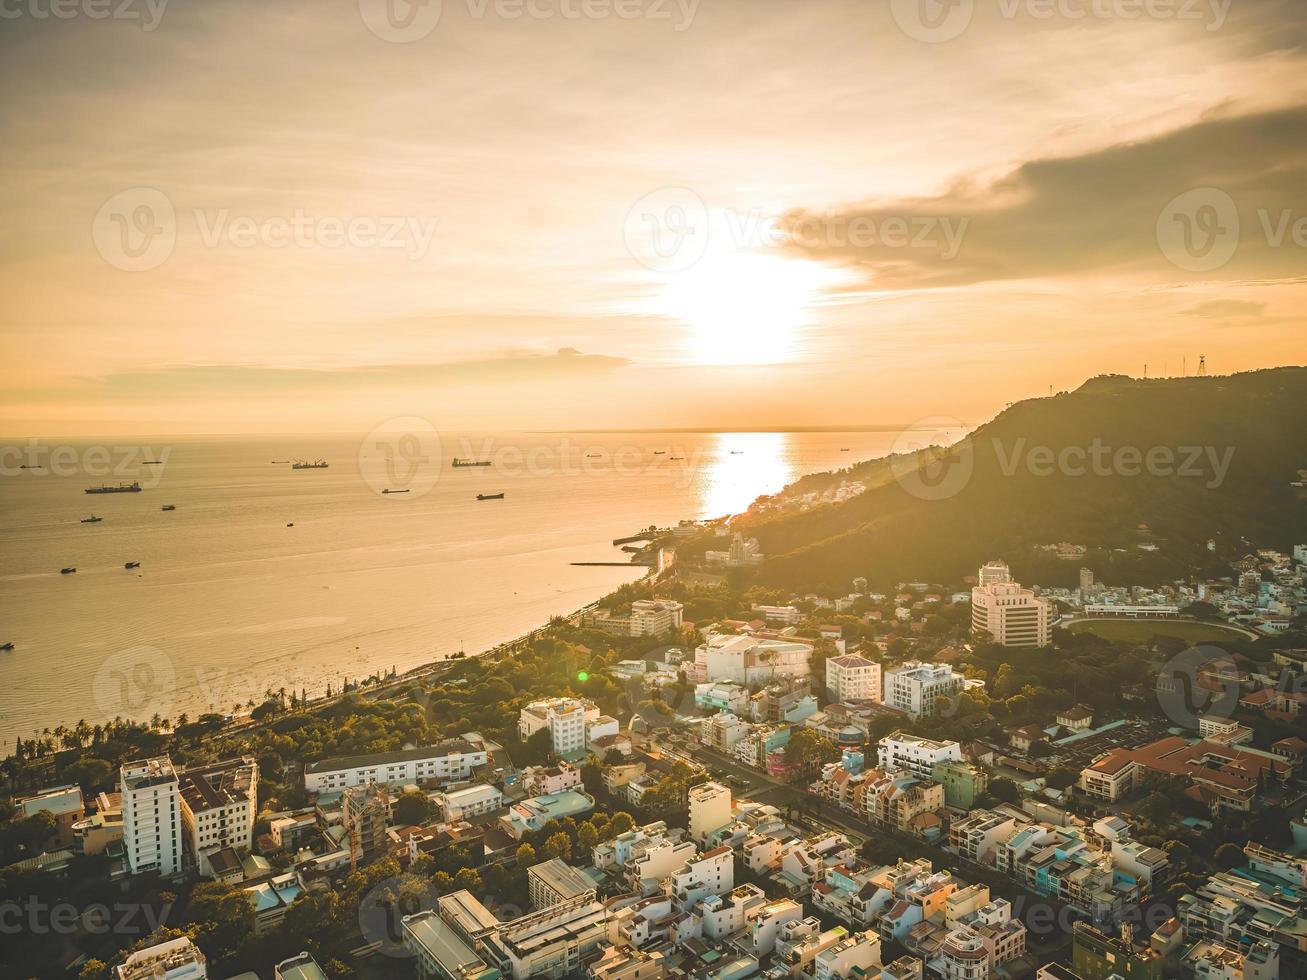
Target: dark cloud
{"points": [[1070, 215]]}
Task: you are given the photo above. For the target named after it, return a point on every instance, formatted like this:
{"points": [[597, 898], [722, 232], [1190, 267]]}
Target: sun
{"points": [[745, 307]]}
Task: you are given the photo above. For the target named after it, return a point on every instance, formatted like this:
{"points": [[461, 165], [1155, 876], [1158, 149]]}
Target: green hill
{"points": [[1189, 459]]}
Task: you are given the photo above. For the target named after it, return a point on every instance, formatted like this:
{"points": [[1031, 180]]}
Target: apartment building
{"points": [[300, 967], [452, 760], [915, 754], [851, 677], [917, 687], [752, 660], [710, 809], [555, 881], [218, 805], [645, 617], [565, 718], [724, 731], [472, 801], [1012, 615], [152, 822], [177, 959]]}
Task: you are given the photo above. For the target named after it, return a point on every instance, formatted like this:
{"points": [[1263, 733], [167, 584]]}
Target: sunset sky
{"points": [[720, 213]]}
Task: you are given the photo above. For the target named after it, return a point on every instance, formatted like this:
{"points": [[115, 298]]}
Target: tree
{"points": [[89, 773], [1228, 856], [413, 808], [222, 916], [621, 823], [558, 846], [526, 856], [468, 879], [94, 970], [1004, 790], [586, 836], [443, 881], [1154, 808]]}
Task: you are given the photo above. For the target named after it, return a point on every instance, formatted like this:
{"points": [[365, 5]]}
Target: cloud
{"points": [[1063, 216], [235, 380], [1225, 308]]}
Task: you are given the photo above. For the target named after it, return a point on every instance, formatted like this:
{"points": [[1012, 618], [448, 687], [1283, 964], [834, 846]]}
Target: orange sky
{"points": [[318, 214]]}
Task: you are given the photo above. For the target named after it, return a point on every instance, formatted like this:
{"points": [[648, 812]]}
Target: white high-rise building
{"points": [[152, 822], [915, 754], [917, 687], [710, 809], [1013, 616], [218, 804], [565, 718], [852, 677]]}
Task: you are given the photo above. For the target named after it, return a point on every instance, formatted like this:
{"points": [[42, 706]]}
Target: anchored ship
{"points": [[301, 464], [490, 496], [459, 461], [132, 487]]}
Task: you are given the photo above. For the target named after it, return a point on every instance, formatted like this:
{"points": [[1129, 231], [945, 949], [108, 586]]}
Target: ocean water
{"points": [[230, 602]]}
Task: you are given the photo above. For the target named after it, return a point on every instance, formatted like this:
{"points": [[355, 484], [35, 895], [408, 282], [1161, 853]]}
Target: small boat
{"points": [[844, 449], [394, 491], [737, 452], [460, 462], [675, 458], [68, 571], [594, 455], [279, 462], [291, 524], [168, 507], [92, 519], [152, 462], [6, 647], [490, 496], [660, 452], [132, 564], [30, 466]]}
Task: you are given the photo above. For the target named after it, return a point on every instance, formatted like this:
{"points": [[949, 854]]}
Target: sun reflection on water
{"points": [[742, 466]]}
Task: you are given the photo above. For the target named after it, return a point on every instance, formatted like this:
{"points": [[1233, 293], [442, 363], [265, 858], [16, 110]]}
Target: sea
{"points": [[265, 578]]}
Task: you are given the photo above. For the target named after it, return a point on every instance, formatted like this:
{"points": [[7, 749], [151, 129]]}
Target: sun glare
{"points": [[745, 308]]}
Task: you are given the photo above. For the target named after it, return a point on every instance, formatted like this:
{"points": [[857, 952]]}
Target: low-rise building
{"points": [[177, 959], [452, 760]]}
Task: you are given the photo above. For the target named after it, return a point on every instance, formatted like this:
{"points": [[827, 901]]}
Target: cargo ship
{"points": [[301, 464], [92, 519], [490, 496], [132, 487], [459, 461]]}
